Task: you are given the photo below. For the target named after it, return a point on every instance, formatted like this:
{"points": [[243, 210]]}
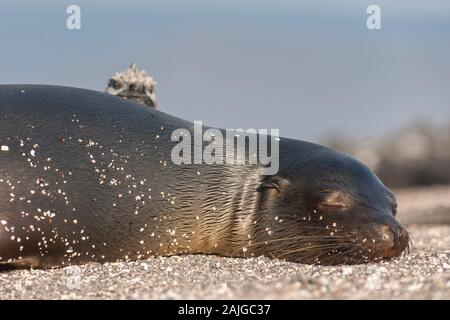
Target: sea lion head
{"points": [[328, 208]]}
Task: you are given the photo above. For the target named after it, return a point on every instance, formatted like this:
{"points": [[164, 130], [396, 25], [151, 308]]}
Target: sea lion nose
{"points": [[394, 237], [402, 237], [388, 235]]}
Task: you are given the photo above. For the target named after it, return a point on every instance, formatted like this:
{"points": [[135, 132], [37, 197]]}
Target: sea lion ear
{"points": [[273, 182]]}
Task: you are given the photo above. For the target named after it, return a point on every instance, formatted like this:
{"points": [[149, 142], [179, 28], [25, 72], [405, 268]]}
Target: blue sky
{"points": [[310, 68]]}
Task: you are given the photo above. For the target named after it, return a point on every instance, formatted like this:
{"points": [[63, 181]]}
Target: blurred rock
{"points": [[414, 156]]}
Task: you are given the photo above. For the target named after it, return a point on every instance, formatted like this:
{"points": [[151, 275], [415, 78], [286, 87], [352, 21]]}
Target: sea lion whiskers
{"points": [[303, 249], [302, 238], [320, 254]]}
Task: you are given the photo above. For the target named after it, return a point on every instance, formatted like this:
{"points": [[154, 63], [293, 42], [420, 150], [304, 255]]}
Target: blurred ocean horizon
{"points": [[310, 68]]}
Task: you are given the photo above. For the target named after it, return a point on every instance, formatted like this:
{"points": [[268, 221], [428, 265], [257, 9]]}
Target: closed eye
{"points": [[394, 209], [332, 199], [334, 205]]}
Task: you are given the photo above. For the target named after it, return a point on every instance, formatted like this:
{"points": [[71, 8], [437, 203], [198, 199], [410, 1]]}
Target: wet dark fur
{"points": [[85, 194]]}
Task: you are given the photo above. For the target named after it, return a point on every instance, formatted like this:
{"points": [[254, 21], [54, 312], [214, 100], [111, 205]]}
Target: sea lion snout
{"points": [[380, 235], [393, 239]]}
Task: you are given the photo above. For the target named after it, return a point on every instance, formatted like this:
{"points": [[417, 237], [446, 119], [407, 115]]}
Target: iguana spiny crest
{"points": [[133, 84]]}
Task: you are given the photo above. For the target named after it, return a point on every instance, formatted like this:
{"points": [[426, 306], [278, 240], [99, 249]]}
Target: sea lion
{"points": [[86, 176]]}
